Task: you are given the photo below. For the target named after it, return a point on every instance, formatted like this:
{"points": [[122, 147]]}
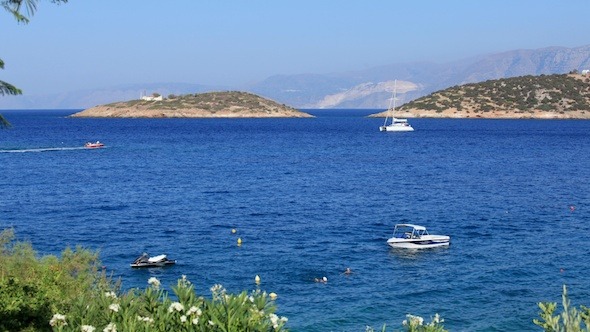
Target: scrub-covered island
{"points": [[559, 96], [227, 104]]}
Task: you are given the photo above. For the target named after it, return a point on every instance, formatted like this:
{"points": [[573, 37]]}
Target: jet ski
{"points": [[157, 261]]}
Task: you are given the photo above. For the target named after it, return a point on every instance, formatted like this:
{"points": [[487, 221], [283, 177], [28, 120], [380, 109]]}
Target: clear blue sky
{"points": [[89, 44]]}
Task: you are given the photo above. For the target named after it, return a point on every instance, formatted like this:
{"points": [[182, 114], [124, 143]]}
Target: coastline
{"points": [[136, 112], [494, 114]]}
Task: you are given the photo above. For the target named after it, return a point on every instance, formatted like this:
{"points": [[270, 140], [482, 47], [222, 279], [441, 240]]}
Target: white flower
{"points": [[255, 311], [217, 288], [111, 295], [211, 323], [274, 319], [88, 328], [437, 319], [145, 319], [194, 310], [413, 320], [217, 291], [112, 327], [420, 320], [154, 282], [195, 321], [58, 320], [185, 280], [176, 306], [115, 307]]}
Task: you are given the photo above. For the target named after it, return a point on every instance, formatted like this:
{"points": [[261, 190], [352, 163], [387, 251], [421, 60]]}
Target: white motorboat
{"points": [[96, 145], [396, 123], [416, 237]]}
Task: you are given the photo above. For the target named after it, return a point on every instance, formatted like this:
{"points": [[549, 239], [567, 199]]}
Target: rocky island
{"points": [[560, 96], [230, 104]]}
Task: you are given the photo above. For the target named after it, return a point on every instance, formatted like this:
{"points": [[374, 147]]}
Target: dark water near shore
{"points": [[310, 197]]}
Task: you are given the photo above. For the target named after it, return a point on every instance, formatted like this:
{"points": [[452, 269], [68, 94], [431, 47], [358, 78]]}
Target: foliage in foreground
{"points": [[154, 310], [32, 288], [570, 320], [72, 293], [416, 324]]}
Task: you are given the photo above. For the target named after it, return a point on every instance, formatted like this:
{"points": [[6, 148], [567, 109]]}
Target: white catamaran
{"points": [[396, 124]]}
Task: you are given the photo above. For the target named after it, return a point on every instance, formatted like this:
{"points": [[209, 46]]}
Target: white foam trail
{"points": [[42, 149]]}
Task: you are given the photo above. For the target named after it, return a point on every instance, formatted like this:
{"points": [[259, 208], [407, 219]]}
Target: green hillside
{"points": [[227, 104], [565, 95]]}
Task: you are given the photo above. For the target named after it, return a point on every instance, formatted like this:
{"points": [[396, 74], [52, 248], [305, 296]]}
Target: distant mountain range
{"points": [[83, 99], [370, 88]]}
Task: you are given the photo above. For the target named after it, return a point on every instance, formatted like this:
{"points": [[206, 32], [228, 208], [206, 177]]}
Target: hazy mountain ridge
{"points": [[551, 60], [368, 94], [87, 98], [347, 89], [430, 77]]}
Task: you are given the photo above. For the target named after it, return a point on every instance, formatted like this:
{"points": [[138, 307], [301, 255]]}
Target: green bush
{"points": [[72, 293], [32, 288], [23, 306], [154, 310], [569, 320], [416, 324]]}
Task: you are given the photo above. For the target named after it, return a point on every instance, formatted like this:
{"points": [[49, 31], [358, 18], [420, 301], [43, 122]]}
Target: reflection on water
{"points": [[413, 254]]}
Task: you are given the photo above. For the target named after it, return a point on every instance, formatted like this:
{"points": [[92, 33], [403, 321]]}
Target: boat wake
{"points": [[41, 149]]}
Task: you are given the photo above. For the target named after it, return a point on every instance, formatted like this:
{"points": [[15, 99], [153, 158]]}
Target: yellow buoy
{"points": [[273, 296], [257, 279], [239, 241], [233, 231]]}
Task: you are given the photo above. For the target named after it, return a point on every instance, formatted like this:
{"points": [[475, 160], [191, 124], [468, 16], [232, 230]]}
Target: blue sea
{"points": [[311, 197]]}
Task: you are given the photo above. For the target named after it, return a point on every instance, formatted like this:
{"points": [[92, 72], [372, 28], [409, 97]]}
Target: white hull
{"points": [[425, 241], [157, 261], [394, 127]]}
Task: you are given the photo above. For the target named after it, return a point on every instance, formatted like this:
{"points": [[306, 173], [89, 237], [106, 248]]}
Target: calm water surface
{"points": [[310, 197]]}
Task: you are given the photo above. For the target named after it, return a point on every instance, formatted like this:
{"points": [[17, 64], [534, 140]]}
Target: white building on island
{"points": [[153, 97]]}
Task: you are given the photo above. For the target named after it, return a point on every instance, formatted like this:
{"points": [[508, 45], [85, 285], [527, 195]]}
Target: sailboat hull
{"points": [[396, 128]]}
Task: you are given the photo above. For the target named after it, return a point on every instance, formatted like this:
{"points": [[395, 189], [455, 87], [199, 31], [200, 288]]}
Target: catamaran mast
{"points": [[391, 102]]}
